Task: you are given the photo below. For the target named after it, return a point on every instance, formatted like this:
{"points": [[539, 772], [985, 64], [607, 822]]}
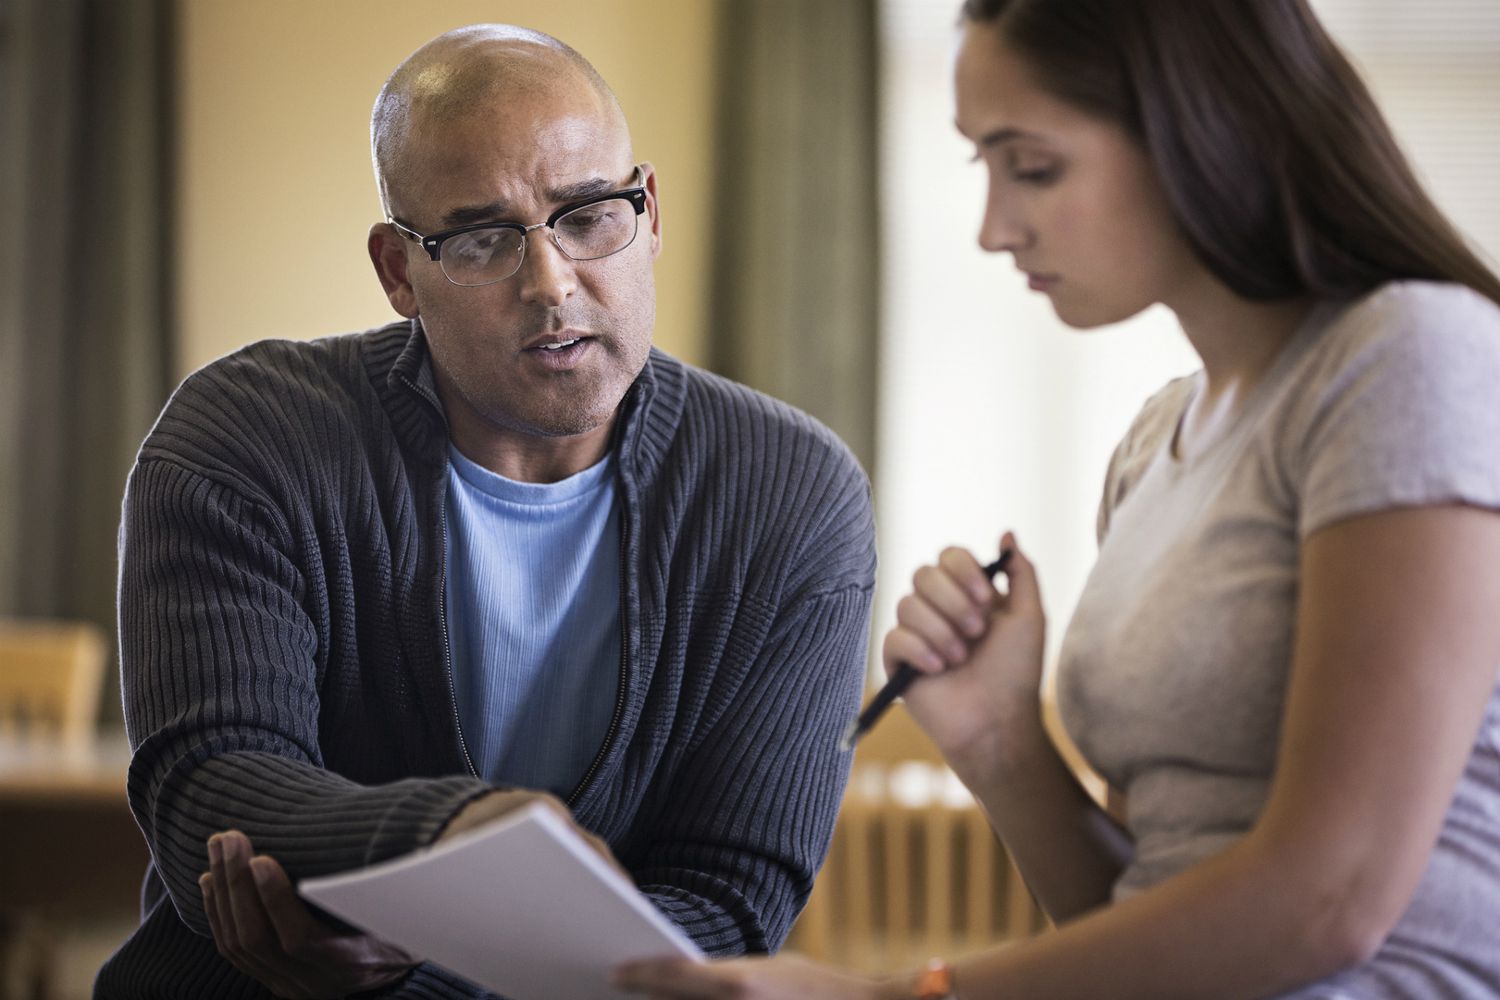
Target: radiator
{"points": [[914, 871]]}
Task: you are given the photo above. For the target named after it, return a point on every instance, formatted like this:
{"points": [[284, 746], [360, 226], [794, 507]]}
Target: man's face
{"points": [[518, 160]]}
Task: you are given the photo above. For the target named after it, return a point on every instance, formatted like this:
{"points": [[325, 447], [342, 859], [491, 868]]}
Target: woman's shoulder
{"points": [[1432, 299], [1394, 406], [1418, 339], [1424, 315]]}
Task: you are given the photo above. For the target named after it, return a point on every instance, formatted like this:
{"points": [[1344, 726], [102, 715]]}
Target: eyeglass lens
{"points": [[589, 232]]}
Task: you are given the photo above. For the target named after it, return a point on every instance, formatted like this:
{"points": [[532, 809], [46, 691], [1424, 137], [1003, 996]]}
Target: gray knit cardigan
{"points": [[285, 665]]}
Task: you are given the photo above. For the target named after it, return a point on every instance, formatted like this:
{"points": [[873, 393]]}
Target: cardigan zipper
{"points": [[448, 650], [614, 722], [463, 745]]}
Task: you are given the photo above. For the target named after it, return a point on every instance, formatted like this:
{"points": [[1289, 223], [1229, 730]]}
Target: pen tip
{"points": [[850, 737]]}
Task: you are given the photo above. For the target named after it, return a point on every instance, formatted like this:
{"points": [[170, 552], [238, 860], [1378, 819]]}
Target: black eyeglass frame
{"points": [[433, 244]]}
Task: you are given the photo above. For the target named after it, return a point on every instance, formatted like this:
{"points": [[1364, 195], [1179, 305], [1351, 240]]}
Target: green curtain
{"points": [[795, 301], [84, 304]]}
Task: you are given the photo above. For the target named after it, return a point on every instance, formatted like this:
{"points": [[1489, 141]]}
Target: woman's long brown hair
{"points": [[1275, 159]]}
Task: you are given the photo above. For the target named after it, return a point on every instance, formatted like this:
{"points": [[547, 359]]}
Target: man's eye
{"points": [[588, 218]]}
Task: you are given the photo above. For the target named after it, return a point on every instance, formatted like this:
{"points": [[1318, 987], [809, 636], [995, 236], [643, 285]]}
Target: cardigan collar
{"points": [[649, 412]]}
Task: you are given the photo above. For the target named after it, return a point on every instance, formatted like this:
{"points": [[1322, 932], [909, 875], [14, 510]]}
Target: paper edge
{"points": [[563, 833]]}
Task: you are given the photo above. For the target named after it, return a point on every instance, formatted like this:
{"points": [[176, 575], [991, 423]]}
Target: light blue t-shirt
{"points": [[533, 602]]}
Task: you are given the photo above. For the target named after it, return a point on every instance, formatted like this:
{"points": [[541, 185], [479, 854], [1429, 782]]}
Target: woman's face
{"points": [[1071, 196]]}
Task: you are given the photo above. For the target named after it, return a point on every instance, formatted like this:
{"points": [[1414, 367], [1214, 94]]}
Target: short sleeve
{"points": [[1407, 407]]}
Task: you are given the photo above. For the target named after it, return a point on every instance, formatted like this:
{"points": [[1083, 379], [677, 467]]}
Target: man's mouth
{"points": [[563, 353], [557, 340]]}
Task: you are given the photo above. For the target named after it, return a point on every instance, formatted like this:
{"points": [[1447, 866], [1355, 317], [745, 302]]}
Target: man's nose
{"points": [[547, 275]]}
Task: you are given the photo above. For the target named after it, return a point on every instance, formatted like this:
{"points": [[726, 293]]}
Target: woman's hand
{"points": [[785, 977], [981, 652]]}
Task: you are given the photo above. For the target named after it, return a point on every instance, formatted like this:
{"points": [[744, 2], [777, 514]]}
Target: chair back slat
{"points": [[51, 674]]}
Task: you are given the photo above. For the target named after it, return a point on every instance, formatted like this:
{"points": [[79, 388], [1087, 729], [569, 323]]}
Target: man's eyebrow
{"points": [[581, 190], [495, 211], [499, 211]]}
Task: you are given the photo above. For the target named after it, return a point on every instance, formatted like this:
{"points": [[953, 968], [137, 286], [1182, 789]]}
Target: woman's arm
{"points": [[1068, 849], [981, 704], [1396, 656], [1398, 643]]}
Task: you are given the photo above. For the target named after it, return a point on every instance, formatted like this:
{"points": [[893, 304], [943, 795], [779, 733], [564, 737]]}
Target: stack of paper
{"points": [[523, 906]]}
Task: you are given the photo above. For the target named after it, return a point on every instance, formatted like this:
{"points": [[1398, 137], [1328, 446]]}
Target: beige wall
{"points": [[274, 166]]}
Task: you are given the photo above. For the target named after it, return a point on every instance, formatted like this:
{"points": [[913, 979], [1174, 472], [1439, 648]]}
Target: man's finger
{"points": [[223, 920], [321, 953], [290, 918], [257, 950], [252, 928], [206, 889]]}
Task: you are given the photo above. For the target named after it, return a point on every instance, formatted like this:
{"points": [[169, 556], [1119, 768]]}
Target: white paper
{"points": [[523, 906]]}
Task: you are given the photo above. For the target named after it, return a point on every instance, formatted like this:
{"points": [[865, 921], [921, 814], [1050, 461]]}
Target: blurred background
{"points": [[182, 177]]}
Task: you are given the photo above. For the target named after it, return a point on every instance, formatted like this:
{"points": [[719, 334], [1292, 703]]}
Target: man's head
{"points": [[493, 123]]}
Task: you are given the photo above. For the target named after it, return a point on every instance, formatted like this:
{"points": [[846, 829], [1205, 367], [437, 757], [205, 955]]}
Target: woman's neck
{"points": [[1237, 341]]}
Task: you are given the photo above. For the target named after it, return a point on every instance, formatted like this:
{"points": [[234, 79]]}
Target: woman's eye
{"points": [[1035, 175]]}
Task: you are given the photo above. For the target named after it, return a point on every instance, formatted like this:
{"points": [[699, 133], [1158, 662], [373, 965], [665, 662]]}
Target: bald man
{"points": [[380, 588]]}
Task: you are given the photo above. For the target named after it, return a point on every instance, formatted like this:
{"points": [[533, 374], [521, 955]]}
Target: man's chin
{"points": [[559, 422], [574, 405]]}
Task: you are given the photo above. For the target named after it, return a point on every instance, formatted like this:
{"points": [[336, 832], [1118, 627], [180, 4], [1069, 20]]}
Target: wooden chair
{"points": [[51, 674]]}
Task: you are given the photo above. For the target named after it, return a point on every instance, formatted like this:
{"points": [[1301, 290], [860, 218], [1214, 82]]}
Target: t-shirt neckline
{"points": [[1317, 318]]}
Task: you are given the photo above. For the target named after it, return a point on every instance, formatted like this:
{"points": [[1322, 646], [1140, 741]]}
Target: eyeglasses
{"points": [[486, 252]]}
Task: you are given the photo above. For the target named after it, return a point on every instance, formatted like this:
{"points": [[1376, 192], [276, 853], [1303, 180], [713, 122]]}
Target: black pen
{"points": [[899, 682]]}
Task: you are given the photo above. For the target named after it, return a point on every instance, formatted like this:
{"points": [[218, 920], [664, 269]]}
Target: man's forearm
{"points": [[311, 820]]}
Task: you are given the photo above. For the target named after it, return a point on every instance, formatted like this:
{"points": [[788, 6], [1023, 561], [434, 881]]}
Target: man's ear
{"points": [[653, 208], [388, 254]]}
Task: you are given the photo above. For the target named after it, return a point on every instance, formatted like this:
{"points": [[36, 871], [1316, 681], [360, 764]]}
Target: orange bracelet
{"points": [[935, 982]]}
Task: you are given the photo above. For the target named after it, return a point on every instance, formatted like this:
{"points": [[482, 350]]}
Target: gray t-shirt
{"points": [[1175, 664]]}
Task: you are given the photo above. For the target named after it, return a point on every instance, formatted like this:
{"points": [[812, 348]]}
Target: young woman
{"points": [[1285, 660]]}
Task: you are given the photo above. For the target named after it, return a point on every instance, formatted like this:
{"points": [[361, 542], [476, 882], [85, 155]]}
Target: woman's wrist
{"points": [[1019, 742], [934, 981]]}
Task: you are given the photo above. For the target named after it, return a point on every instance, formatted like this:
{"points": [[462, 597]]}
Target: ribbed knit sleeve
{"points": [[221, 696], [740, 824], [732, 860]]}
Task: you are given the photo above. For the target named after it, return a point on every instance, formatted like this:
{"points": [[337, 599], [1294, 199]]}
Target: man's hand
{"points": [[264, 930]]}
